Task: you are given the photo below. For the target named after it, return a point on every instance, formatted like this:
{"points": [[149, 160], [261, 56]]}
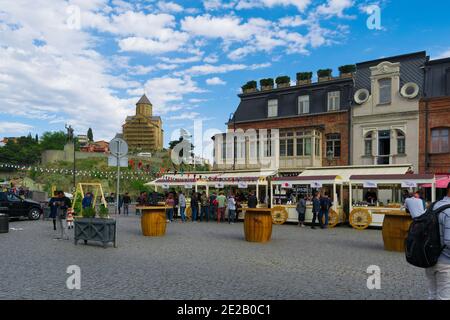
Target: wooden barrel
{"points": [[153, 221], [258, 225], [395, 230]]}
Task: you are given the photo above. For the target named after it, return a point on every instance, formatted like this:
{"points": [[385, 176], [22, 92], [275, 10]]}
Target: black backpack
{"points": [[423, 244]]}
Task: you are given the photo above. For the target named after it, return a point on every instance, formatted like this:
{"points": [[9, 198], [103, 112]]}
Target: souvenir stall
{"points": [[285, 192], [371, 196]]}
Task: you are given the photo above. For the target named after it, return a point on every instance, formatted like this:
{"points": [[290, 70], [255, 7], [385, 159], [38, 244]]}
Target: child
{"points": [[69, 218]]}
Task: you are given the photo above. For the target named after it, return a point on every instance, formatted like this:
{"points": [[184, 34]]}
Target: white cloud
{"points": [[169, 7], [218, 69], [14, 127], [150, 46], [301, 5], [295, 21], [185, 116], [228, 27], [215, 81], [335, 8], [443, 54]]}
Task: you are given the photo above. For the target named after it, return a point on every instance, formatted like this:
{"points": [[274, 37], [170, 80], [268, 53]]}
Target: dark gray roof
{"points": [[411, 70], [253, 106], [144, 100], [437, 78]]}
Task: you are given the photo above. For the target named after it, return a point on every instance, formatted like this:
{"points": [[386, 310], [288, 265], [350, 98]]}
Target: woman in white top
{"points": [[231, 209]]}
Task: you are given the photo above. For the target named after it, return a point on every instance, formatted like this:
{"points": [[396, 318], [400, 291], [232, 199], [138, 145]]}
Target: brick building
{"points": [[434, 143], [312, 121]]}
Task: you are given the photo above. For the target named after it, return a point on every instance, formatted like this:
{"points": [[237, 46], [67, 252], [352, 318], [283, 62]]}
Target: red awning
{"points": [[441, 182]]}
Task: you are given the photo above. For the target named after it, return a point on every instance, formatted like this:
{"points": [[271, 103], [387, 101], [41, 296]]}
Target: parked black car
{"points": [[18, 207]]}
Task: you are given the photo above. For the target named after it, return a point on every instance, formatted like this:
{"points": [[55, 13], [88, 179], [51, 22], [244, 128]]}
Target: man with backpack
{"points": [[438, 276], [428, 246]]}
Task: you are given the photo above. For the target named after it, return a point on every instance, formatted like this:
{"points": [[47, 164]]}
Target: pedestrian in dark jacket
{"points": [[252, 200], [315, 209], [325, 205], [301, 210], [53, 208]]}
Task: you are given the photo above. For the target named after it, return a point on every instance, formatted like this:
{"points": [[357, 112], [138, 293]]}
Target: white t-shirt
{"points": [[415, 207]]}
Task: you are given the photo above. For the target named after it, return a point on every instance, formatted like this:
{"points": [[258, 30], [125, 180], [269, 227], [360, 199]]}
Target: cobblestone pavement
{"points": [[204, 261]]}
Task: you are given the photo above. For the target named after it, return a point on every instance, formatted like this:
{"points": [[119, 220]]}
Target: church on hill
{"points": [[143, 131]]}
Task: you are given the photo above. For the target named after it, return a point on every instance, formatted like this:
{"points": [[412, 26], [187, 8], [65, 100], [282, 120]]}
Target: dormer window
{"points": [[385, 87], [272, 108], [334, 100], [303, 104]]}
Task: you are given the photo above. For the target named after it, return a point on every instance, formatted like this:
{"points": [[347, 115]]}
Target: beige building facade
{"points": [[143, 131], [385, 117]]}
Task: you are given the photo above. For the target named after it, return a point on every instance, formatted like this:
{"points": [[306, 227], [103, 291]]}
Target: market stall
{"points": [[372, 196], [285, 192]]}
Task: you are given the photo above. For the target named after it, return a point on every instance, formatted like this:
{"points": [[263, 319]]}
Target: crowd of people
{"points": [[216, 206], [21, 192], [321, 204]]}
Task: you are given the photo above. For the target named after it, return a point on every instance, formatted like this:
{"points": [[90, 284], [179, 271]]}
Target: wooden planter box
{"points": [[95, 229], [266, 88], [283, 85], [258, 225], [303, 82], [249, 90]]}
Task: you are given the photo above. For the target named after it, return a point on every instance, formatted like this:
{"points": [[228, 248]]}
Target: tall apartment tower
{"points": [[143, 131]]}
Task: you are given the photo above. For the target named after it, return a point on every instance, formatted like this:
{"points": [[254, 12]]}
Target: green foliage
{"points": [[103, 212], [88, 212], [25, 151], [301, 76], [324, 73], [348, 68], [90, 135], [249, 85], [53, 140], [266, 82], [283, 80]]}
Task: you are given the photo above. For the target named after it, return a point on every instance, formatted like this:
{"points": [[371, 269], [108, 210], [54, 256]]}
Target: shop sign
{"points": [[409, 184], [370, 184]]}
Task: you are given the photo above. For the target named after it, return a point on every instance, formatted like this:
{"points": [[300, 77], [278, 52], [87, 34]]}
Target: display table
{"points": [[153, 221], [395, 229], [258, 225]]}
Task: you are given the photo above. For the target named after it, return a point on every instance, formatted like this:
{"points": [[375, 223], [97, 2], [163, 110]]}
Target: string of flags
{"points": [[130, 175]]}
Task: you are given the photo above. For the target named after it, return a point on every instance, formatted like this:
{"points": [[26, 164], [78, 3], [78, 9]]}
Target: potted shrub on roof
{"points": [[304, 78], [324, 74], [266, 84], [346, 71], [90, 228], [249, 87], [283, 82]]}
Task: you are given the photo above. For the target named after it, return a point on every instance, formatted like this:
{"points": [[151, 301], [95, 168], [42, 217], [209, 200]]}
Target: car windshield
{"points": [[13, 197]]}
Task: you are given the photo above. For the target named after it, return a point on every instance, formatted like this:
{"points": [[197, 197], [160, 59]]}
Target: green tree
{"points": [[25, 151], [53, 140], [90, 135]]}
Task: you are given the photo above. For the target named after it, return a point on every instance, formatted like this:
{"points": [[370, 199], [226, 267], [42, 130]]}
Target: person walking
{"points": [[414, 205], [315, 209], [170, 203], [301, 210], [438, 276], [126, 204], [53, 208], [194, 206], [213, 206], [231, 208], [182, 206], [176, 207], [62, 204], [204, 201], [221, 204], [325, 205], [252, 201]]}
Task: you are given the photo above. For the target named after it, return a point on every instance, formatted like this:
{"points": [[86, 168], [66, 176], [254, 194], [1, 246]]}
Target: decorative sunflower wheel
{"points": [[360, 218], [188, 213], [333, 218], [279, 215]]}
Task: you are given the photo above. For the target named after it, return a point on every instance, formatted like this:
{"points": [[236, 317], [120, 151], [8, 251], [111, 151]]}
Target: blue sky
{"points": [[88, 62]]}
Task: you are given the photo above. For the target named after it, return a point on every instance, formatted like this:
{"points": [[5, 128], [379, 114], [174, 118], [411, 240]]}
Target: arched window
{"points": [[401, 142], [368, 144]]}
